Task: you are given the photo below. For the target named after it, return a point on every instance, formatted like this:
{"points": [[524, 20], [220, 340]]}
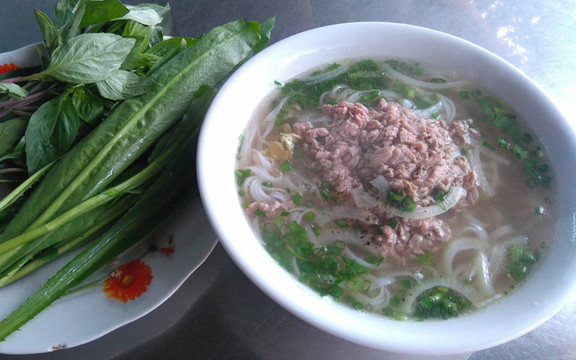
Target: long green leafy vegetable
{"points": [[161, 200], [96, 128]]}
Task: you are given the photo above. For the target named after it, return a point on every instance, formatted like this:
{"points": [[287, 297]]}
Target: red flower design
{"points": [[8, 67], [128, 281]]}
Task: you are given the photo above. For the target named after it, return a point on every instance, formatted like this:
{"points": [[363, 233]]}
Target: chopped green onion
{"points": [[310, 216], [539, 210], [486, 144], [286, 166], [242, 175], [503, 143], [297, 199]]}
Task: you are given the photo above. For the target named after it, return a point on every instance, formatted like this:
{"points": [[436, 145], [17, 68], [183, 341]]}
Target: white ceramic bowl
{"points": [[534, 302]]}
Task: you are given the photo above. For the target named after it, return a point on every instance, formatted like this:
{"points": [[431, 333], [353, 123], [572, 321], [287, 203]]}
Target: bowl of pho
{"points": [[397, 196]]}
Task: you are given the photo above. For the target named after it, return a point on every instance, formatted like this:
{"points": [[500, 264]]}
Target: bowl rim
{"points": [[338, 320]]}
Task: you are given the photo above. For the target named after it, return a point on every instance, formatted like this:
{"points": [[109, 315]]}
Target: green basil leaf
{"points": [[100, 11], [51, 131], [167, 45], [144, 14], [89, 58], [49, 32], [13, 90], [90, 107], [11, 131], [142, 35], [123, 85], [63, 12], [162, 52], [71, 28]]}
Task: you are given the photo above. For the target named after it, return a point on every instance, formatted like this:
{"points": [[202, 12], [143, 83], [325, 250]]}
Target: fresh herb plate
{"points": [[172, 254]]}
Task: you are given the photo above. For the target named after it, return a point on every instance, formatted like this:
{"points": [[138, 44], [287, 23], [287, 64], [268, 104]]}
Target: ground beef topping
{"points": [[416, 156]]}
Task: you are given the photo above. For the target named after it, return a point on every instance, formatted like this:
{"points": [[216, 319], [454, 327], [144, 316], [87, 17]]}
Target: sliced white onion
{"points": [[456, 246], [433, 210], [362, 199], [476, 164], [356, 95], [340, 212], [427, 113], [483, 278], [380, 183], [490, 153]]}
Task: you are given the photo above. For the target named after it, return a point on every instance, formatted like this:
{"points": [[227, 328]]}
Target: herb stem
{"points": [[88, 205]]}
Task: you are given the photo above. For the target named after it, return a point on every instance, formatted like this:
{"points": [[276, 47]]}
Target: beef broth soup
{"points": [[395, 188]]}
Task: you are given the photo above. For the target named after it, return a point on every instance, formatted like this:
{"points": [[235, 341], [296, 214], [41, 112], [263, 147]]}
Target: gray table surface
{"points": [[218, 313]]}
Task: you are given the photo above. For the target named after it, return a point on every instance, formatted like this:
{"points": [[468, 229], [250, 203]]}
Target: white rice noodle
{"points": [[273, 114], [463, 271], [476, 164], [297, 214], [249, 140], [433, 210], [380, 281], [514, 240], [295, 267], [417, 275], [480, 272], [266, 169], [263, 168], [448, 107], [378, 300], [253, 187], [315, 118], [497, 260], [501, 232], [500, 251], [456, 247], [452, 85], [474, 221], [351, 255], [332, 93], [316, 79], [298, 183], [343, 93], [476, 231], [489, 301]]}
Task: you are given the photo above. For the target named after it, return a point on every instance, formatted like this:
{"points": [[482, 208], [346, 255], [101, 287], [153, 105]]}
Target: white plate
{"points": [[88, 314]]}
